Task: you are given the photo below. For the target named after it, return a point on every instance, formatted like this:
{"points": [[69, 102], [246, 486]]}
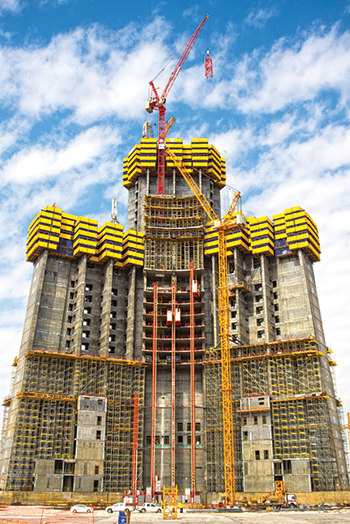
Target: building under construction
{"points": [[117, 386]]}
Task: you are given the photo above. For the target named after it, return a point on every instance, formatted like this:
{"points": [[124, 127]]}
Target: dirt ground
{"points": [[43, 515]]}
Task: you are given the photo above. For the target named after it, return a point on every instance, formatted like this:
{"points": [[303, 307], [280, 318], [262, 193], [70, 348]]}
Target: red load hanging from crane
{"points": [[208, 66]]}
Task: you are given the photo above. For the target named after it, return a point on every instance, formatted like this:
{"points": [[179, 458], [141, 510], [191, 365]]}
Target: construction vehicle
{"points": [[229, 222], [274, 500], [156, 102], [279, 498]]}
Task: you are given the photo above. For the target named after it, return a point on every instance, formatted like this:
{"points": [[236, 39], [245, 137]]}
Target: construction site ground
{"points": [[44, 515]]}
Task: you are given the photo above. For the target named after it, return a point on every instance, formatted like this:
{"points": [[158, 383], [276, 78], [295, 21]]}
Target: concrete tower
{"points": [[117, 386]]}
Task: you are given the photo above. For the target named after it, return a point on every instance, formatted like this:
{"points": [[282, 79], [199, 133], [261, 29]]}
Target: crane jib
{"points": [[158, 102]]}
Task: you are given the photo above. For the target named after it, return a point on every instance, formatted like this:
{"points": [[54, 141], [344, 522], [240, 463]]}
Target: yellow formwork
{"points": [[295, 229], [199, 155], [71, 236]]}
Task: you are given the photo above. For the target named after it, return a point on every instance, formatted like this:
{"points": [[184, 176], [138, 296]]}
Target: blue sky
{"points": [[73, 81]]}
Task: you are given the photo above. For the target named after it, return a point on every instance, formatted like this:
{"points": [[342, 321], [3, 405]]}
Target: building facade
{"points": [[117, 385]]}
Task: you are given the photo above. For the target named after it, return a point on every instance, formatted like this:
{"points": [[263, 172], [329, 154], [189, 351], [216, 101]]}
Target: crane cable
{"points": [[171, 59]]}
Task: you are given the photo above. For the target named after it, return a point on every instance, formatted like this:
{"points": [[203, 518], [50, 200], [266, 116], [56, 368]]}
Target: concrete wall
{"points": [[90, 441], [300, 476]]}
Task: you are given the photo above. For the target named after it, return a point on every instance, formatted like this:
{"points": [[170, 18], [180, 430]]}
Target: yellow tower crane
{"points": [[223, 225], [345, 426]]}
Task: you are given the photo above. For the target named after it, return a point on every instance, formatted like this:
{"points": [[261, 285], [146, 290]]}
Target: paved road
{"points": [[38, 515]]}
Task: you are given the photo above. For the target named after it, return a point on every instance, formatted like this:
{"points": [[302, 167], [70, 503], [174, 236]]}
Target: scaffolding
{"points": [[174, 233], [170, 502], [289, 372], [46, 417], [44, 429], [214, 427], [301, 429], [123, 383], [6, 406]]}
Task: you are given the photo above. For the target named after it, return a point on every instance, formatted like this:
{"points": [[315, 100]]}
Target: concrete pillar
{"points": [[266, 289], [305, 286], [33, 303], [237, 279], [174, 182], [214, 288], [130, 318], [80, 303], [106, 308], [147, 181]]}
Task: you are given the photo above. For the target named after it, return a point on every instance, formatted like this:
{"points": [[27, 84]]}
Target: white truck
{"points": [[291, 500], [281, 500], [149, 507]]}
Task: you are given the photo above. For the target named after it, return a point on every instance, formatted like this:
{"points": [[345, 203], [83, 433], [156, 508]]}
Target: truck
{"points": [[150, 507], [280, 498]]}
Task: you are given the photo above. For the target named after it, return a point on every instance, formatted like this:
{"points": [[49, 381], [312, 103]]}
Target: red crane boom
{"points": [[158, 102]]}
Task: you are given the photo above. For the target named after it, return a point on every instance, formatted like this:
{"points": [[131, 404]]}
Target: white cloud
{"points": [[14, 280], [291, 73], [53, 2], [39, 163], [288, 75], [258, 16], [90, 72], [10, 5], [191, 12]]}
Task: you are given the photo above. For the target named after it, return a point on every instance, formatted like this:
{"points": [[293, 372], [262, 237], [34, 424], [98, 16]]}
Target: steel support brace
{"points": [[173, 347], [193, 389], [134, 448], [154, 389]]}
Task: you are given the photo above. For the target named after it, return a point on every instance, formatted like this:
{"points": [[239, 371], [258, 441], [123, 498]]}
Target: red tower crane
{"points": [[158, 102]]}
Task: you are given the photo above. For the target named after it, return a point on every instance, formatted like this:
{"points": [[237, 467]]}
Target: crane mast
{"points": [[158, 102], [224, 225]]}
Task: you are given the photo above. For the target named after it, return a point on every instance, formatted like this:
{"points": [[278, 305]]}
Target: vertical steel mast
{"points": [[193, 388], [154, 387], [173, 348], [229, 222]]}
